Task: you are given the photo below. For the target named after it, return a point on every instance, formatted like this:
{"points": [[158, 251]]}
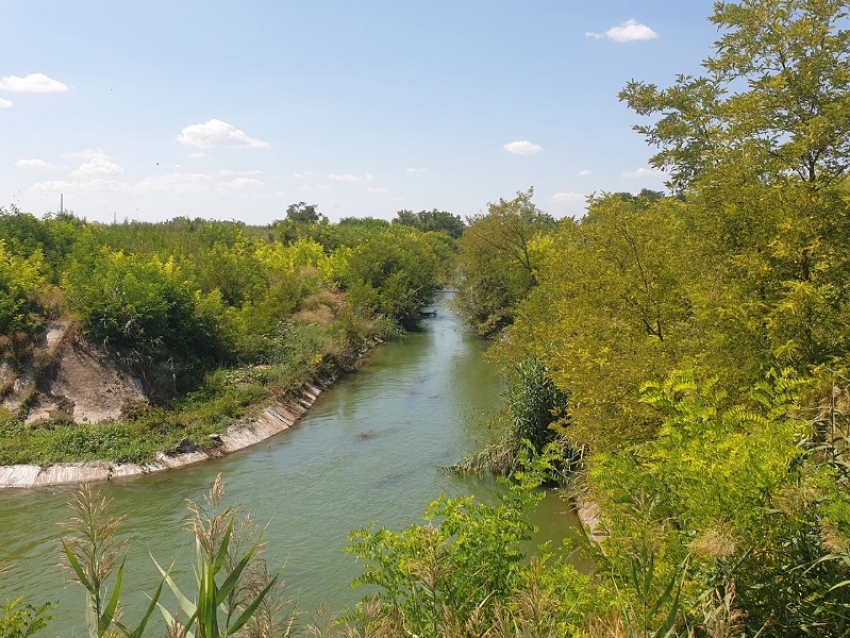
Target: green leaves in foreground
{"points": [[463, 573], [233, 585], [212, 598], [22, 621], [222, 609], [92, 551]]}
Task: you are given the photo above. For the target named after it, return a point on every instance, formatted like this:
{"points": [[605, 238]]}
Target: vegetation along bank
{"points": [[682, 359], [137, 347]]}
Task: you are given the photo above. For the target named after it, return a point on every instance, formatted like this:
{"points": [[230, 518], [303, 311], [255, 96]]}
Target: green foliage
{"points": [[22, 283], [466, 570], [53, 237], [224, 603], [535, 403], [232, 584], [304, 213], [611, 310], [22, 621], [394, 274], [793, 58], [432, 221], [497, 261], [91, 552], [149, 313], [649, 608], [727, 486]]}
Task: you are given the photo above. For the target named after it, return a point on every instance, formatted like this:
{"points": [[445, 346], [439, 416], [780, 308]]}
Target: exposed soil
{"points": [[71, 378], [87, 387]]}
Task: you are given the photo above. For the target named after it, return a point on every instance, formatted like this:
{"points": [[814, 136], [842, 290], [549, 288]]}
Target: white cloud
{"points": [[628, 31], [345, 179], [523, 147], [198, 155], [230, 173], [87, 154], [585, 173], [217, 133], [99, 164], [33, 163], [567, 198], [91, 186], [644, 173], [350, 179], [33, 83], [416, 170], [312, 188], [5, 104], [243, 182], [378, 190], [192, 183]]}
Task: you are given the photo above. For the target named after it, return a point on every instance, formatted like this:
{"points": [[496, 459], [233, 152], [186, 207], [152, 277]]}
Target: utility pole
{"points": [[61, 203]]}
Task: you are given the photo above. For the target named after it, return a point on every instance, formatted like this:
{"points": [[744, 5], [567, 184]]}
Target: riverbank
{"points": [[271, 420], [368, 450]]}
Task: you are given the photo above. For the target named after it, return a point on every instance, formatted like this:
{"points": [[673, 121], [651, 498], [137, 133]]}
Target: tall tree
{"points": [[303, 212], [775, 100], [497, 261]]}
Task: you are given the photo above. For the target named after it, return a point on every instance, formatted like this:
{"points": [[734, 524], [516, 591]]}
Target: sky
{"points": [[132, 110]]}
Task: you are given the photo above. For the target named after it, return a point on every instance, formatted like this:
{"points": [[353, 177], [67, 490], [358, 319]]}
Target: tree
{"points": [[497, 262], [432, 220], [761, 145], [611, 310], [393, 273], [302, 212], [775, 100], [22, 284]]}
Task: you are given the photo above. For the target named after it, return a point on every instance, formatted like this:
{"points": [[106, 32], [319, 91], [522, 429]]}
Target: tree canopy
{"points": [[775, 99]]}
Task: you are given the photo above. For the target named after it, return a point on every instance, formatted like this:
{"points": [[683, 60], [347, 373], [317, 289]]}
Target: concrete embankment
{"points": [[272, 420], [590, 516]]}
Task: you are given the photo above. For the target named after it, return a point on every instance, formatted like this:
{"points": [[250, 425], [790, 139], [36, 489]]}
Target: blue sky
{"points": [[234, 110]]}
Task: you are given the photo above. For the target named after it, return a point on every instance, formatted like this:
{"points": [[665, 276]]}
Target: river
{"points": [[370, 450]]}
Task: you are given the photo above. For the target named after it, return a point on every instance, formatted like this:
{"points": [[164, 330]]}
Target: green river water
{"points": [[369, 450]]}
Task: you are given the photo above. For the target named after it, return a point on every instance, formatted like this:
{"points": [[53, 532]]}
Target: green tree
{"points": [[761, 145], [393, 273], [432, 220], [775, 99], [611, 310], [303, 212], [22, 287], [145, 309], [497, 263], [462, 573], [21, 621], [727, 486]]}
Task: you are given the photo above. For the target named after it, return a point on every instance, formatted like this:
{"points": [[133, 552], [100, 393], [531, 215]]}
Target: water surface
{"points": [[370, 450]]}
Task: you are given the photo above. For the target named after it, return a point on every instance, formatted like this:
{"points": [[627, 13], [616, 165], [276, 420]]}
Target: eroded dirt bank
{"points": [[70, 378]]}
